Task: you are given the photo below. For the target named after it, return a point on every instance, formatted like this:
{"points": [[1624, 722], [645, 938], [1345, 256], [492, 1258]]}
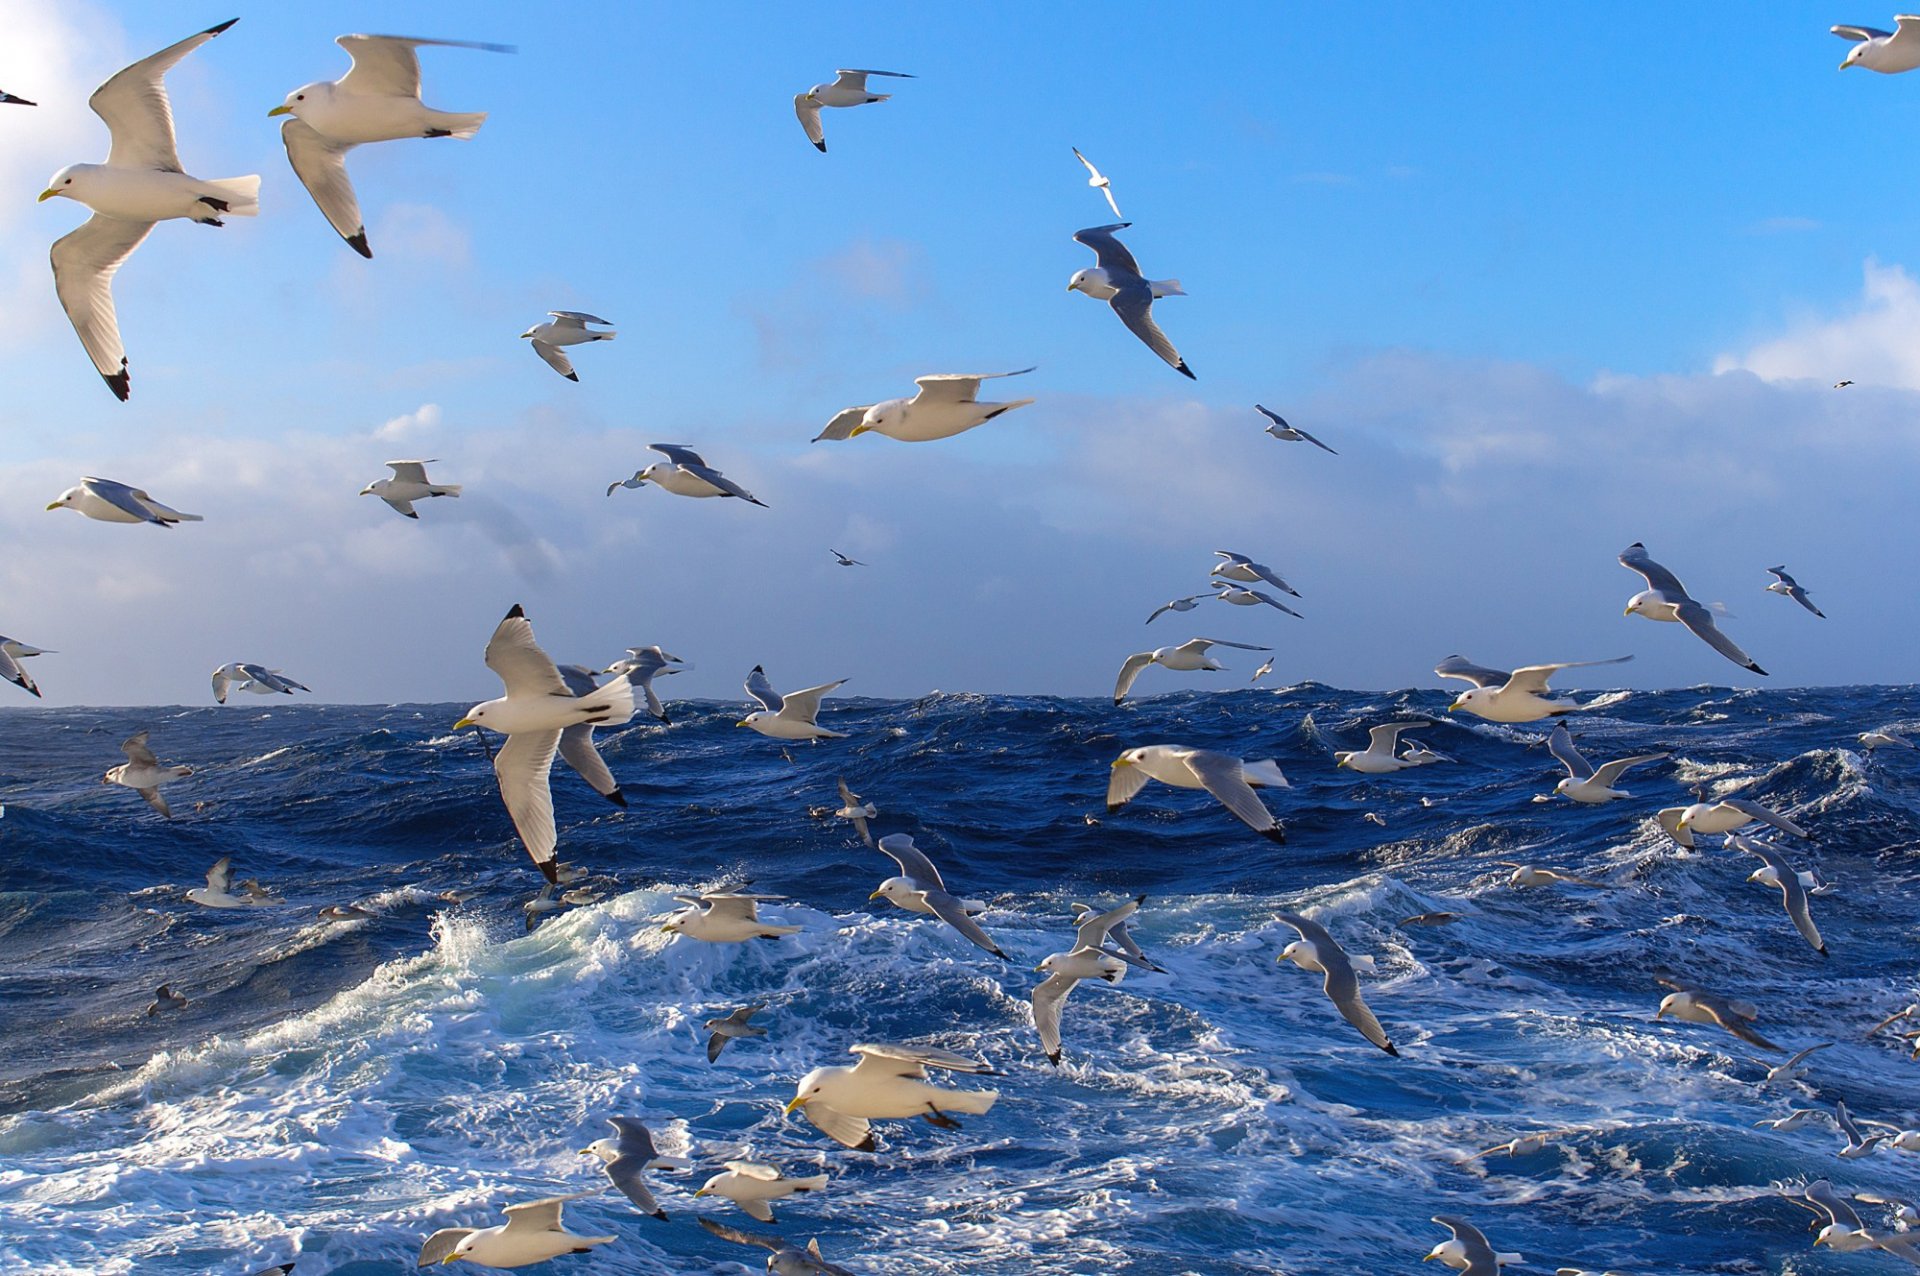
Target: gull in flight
{"points": [[1179, 604], [1728, 815], [219, 892], [1690, 1004], [1858, 1144], [1124, 946], [11, 654], [1666, 599], [1888, 52], [684, 473], [788, 717], [888, 1083], [1241, 597], [1241, 568], [1469, 1251], [1844, 1231], [109, 502], [1098, 180], [533, 1233], [564, 328], [1318, 952], [918, 888], [1794, 1068], [1774, 871], [576, 741], [640, 666], [783, 1257], [377, 100], [1841, 385], [1499, 696], [731, 1027], [534, 713], [8, 99], [1527, 875], [1266, 667], [725, 917], [843, 560], [1089, 958], [1523, 1145], [849, 88], [1884, 737], [1290, 433], [1229, 779], [140, 185], [946, 404], [244, 675], [754, 1187], [1378, 757], [408, 484], [1790, 587], [1115, 278], [1189, 657], [627, 1157], [143, 773], [1584, 783], [859, 812]]}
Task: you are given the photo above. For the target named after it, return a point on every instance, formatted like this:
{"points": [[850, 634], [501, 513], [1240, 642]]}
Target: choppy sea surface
{"points": [[335, 1091]]}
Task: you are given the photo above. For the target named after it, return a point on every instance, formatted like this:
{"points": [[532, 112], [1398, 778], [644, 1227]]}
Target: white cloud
{"points": [[1873, 343], [424, 419]]}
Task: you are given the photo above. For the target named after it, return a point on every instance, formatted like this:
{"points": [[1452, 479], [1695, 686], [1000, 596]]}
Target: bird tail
{"points": [[1264, 773], [444, 489], [974, 1101], [1167, 288], [605, 336], [615, 700], [462, 125], [813, 1184], [241, 194]]}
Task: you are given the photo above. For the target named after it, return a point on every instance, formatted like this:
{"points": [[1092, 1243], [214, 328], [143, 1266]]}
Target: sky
{"points": [[1548, 289]]}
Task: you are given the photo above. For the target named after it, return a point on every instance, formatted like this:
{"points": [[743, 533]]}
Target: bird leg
{"points": [[935, 1117]]}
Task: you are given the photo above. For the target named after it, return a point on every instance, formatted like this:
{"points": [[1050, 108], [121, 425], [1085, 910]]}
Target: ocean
{"points": [[335, 1091]]}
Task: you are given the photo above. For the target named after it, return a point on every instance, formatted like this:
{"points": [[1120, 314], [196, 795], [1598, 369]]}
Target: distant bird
{"points": [[1417, 754], [731, 1027], [783, 1257], [8, 99], [408, 484], [564, 328], [1189, 657], [1666, 599], [1520, 696], [1527, 875], [946, 404], [843, 560], [143, 773], [1265, 668], [1116, 280], [1790, 587], [1844, 1231], [1099, 181], [165, 998], [1523, 1145], [1858, 1144], [219, 891], [1241, 568], [11, 654], [640, 666], [1795, 1067], [1227, 778], [1469, 1251], [859, 812], [1728, 815], [1584, 783], [378, 100], [725, 917], [1317, 951], [344, 913], [1241, 597], [1841, 385], [1090, 922], [888, 1083], [849, 88], [140, 185], [685, 473], [244, 675], [1888, 52], [1089, 958], [1885, 737], [789, 717], [1289, 433], [110, 502], [755, 1187], [1378, 757], [1430, 919], [627, 1156], [918, 888], [1774, 871], [1692, 1004], [1795, 1117], [533, 1233], [1179, 604]]}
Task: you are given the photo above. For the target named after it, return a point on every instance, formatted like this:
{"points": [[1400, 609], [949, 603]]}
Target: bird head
{"points": [[298, 99], [1080, 280], [63, 182], [806, 1092]]}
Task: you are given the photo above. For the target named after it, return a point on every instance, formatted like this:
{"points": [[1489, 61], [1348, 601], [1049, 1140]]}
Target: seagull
{"points": [[1418, 754], [1317, 951], [1116, 280], [1795, 1117], [754, 1187], [1089, 958], [1523, 1145], [640, 666], [143, 773], [783, 1257], [1790, 587], [244, 675], [1098, 180], [627, 1157], [165, 998], [219, 893], [535, 712], [1583, 783], [788, 717], [106, 501], [1885, 736], [1514, 697], [919, 889], [1665, 598], [1090, 922], [1241, 568], [1469, 1251], [1526, 875], [1858, 1145], [1229, 779], [1265, 668], [1289, 433], [843, 560], [725, 917], [1251, 598], [565, 328], [1378, 757], [1888, 52], [1774, 871], [1905, 1215], [888, 1083], [377, 100], [1179, 604], [852, 808], [11, 654], [1727, 815], [946, 405], [1841, 385], [8, 99], [1189, 657], [684, 473], [533, 1233], [408, 484], [140, 185], [576, 741], [849, 88], [732, 1026], [1696, 1005]]}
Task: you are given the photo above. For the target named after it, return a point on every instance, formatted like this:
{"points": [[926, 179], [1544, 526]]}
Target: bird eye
{"points": [[299, 97]]}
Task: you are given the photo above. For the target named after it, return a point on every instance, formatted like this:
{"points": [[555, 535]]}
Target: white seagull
{"points": [[1665, 598], [1584, 783], [1279, 429], [627, 1156], [1189, 657], [106, 501], [888, 1083], [754, 1187], [1228, 779], [1774, 871], [533, 1233], [1378, 758], [1099, 181], [918, 888], [849, 88], [1089, 958], [244, 675], [1728, 815], [1888, 52], [788, 717], [725, 917], [945, 405], [640, 666], [686, 473], [1318, 952], [1235, 566], [1791, 588], [1179, 604], [1115, 278], [408, 484], [1242, 597], [1499, 696], [565, 328], [143, 773]]}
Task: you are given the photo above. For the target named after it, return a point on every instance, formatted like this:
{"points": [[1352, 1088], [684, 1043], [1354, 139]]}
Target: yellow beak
{"points": [[799, 1101], [1452, 707], [54, 506], [450, 1258], [876, 895], [464, 722], [858, 430], [703, 1191], [741, 723], [280, 110], [1120, 762], [46, 195]]}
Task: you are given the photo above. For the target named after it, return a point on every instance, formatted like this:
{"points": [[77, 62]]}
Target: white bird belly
{"points": [[352, 119]]}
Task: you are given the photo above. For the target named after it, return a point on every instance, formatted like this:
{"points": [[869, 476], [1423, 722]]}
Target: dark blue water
{"points": [[335, 1091]]}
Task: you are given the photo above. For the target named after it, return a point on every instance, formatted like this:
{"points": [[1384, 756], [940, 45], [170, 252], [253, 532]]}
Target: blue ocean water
{"points": [[336, 1091]]}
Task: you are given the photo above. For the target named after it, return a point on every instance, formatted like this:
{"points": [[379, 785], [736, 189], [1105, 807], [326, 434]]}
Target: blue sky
{"points": [[1550, 287]]}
